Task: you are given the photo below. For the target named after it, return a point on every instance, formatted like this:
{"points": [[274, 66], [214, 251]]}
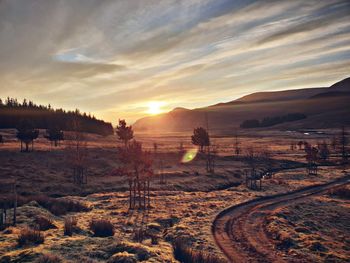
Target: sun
{"points": [[154, 107]]}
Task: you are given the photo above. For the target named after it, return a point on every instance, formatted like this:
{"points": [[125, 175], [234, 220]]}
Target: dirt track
{"points": [[239, 230]]}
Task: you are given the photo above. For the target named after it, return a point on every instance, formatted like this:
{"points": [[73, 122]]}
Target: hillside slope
{"points": [[331, 109]]}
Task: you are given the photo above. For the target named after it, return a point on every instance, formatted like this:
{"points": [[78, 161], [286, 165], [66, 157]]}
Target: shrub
{"points": [[48, 258], [122, 257], [30, 236], [70, 223], [102, 227], [185, 254], [342, 192], [44, 223], [60, 206], [141, 252]]}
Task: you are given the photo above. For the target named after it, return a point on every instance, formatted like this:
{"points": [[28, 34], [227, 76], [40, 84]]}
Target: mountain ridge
{"points": [[314, 102]]}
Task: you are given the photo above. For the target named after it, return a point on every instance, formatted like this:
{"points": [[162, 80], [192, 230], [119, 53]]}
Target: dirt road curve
{"points": [[239, 230]]}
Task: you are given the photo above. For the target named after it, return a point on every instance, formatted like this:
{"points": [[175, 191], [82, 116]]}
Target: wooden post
{"points": [[149, 199], [130, 193], [15, 204], [144, 194]]}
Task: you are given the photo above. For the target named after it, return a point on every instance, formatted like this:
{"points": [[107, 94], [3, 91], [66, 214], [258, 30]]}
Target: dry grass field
{"points": [[183, 208]]}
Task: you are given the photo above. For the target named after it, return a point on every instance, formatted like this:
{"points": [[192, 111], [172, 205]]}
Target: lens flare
{"points": [[189, 155]]}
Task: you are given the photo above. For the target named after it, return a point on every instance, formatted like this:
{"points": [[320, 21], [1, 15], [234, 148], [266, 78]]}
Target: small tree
{"points": [[137, 166], [54, 135], [323, 151], [200, 137], [237, 149], [26, 134], [124, 132], [334, 143], [292, 146], [1, 139], [300, 144], [252, 176], [311, 158], [77, 154]]}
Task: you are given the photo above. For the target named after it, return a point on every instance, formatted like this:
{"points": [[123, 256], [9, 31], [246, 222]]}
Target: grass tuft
{"points": [[185, 254], [48, 258], [44, 223], [70, 223], [101, 227], [30, 236]]}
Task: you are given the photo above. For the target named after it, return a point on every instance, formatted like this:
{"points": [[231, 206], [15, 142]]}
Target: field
{"points": [[182, 208]]}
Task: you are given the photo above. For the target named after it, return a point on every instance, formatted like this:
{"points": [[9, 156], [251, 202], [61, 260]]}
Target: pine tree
{"points": [[200, 137], [26, 134], [124, 132]]}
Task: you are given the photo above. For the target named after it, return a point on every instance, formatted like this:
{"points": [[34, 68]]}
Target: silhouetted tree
{"points": [[12, 112], [1, 139], [237, 149], [323, 151], [300, 144], [252, 176], [124, 132], [26, 134], [311, 158], [334, 143], [200, 138], [54, 135], [292, 146], [77, 154], [137, 165]]}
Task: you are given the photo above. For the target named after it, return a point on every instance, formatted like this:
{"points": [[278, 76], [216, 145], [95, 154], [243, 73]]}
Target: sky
{"points": [[114, 58]]}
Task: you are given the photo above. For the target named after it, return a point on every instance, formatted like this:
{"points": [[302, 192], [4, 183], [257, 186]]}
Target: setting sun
{"points": [[154, 107]]}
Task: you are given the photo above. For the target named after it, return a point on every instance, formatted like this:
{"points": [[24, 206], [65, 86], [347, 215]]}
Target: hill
{"points": [[324, 108], [13, 112]]}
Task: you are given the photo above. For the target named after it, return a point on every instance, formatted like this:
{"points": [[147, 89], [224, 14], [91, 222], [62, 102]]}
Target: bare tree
{"points": [[311, 158], [323, 151], [137, 166], [252, 176], [300, 144], [77, 154], [237, 148]]}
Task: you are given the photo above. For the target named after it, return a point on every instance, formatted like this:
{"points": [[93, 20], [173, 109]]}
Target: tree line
{"points": [[13, 112], [270, 121]]}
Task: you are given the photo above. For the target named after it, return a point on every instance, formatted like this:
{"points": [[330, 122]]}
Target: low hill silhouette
{"points": [[324, 108]]}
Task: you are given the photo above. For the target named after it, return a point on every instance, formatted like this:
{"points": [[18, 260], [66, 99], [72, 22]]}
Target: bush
{"points": [[30, 236], [186, 254], [48, 258], [141, 252], [60, 206], [342, 192], [44, 223], [70, 223], [122, 257], [102, 227]]}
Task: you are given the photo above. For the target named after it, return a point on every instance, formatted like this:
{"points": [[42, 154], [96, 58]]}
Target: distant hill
{"points": [[324, 107], [13, 112]]}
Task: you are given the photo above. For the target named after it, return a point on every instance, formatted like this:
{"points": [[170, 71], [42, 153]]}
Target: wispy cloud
{"points": [[113, 57]]}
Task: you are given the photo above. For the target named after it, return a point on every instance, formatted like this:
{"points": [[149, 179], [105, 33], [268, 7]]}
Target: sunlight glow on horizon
{"points": [[154, 107]]}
